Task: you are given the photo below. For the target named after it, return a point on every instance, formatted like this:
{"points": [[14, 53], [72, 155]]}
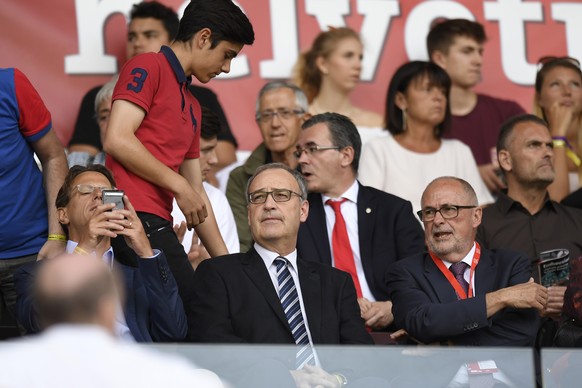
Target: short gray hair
{"points": [[105, 92], [271, 166], [300, 98]]}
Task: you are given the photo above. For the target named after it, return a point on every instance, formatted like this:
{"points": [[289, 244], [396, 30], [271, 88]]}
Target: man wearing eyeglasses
{"points": [[378, 228], [270, 294], [280, 110], [459, 293], [153, 311]]}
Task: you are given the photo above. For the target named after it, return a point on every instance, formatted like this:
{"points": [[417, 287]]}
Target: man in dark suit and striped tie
{"points": [[269, 294]]}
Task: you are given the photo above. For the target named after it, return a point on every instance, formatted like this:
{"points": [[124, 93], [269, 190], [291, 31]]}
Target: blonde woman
{"points": [[558, 100], [329, 71]]}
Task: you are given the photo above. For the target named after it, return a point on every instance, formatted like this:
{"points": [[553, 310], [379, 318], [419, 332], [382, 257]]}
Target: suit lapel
{"points": [[310, 281], [483, 280], [441, 286], [255, 269], [366, 223], [317, 226], [130, 310]]}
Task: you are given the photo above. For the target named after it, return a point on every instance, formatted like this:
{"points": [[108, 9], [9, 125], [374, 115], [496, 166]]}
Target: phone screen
{"points": [[114, 196]]}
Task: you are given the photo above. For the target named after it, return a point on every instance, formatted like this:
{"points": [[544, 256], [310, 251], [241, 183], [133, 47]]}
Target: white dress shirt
{"points": [[269, 259], [350, 212], [467, 260]]}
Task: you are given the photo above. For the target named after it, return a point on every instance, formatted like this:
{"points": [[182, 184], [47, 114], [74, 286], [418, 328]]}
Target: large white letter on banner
{"points": [[283, 40], [377, 17], [512, 15], [571, 15], [91, 17], [329, 13], [419, 21]]}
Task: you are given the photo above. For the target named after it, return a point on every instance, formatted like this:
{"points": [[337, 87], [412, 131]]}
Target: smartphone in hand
{"points": [[114, 196]]}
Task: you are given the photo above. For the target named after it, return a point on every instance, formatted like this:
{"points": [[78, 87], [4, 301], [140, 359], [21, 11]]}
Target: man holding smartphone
{"points": [[152, 310]]}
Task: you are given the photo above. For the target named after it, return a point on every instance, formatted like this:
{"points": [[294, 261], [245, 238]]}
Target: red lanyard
{"points": [[451, 278]]}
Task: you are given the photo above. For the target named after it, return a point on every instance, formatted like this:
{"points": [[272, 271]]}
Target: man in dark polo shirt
{"points": [[524, 218]]}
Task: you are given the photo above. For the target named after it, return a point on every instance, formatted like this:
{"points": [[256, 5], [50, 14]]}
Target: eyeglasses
{"points": [[311, 149], [284, 114], [278, 195], [89, 189], [447, 212], [551, 60]]}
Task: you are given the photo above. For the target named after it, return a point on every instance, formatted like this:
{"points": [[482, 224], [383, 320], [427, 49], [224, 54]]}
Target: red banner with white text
{"points": [[67, 47]]}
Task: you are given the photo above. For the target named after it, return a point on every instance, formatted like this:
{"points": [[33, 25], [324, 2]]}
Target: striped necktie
{"points": [[292, 307]]}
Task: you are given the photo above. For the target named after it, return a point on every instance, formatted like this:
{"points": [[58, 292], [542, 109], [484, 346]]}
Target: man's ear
{"points": [[439, 58], [63, 216], [347, 156], [304, 211], [203, 37], [477, 217], [504, 160]]}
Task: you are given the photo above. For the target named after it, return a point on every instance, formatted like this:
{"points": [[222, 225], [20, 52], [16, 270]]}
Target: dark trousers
{"points": [[8, 326], [161, 234]]}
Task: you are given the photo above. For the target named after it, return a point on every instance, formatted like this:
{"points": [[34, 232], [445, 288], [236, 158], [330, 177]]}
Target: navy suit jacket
{"points": [[387, 228], [153, 309], [426, 305], [235, 301]]}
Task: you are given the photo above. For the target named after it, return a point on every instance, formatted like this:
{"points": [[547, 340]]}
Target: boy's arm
{"points": [[208, 231], [122, 144]]}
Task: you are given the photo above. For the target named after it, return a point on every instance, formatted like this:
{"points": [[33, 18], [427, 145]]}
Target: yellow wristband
{"points": [[80, 251], [559, 143], [57, 237]]}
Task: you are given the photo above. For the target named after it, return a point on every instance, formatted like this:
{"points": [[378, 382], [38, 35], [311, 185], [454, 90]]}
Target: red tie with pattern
{"points": [[342, 250]]}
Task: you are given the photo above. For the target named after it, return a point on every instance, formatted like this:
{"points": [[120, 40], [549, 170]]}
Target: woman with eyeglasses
{"points": [[558, 100], [414, 152], [329, 71]]}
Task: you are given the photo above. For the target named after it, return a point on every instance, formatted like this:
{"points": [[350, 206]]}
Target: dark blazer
{"points": [[387, 228], [426, 306], [153, 309], [235, 301]]}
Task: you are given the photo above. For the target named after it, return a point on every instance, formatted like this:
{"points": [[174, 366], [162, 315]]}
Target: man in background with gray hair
{"points": [[281, 109]]}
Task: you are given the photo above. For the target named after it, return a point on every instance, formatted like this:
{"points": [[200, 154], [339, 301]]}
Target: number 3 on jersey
{"points": [[140, 77]]}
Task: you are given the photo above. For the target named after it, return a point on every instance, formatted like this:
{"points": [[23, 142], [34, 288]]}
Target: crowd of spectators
{"points": [[446, 228]]}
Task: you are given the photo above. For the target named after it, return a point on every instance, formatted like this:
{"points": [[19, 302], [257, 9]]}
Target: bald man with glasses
{"points": [[458, 293]]}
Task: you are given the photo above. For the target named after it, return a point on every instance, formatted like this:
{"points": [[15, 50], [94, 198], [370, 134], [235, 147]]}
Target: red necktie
{"points": [[342, 250]]}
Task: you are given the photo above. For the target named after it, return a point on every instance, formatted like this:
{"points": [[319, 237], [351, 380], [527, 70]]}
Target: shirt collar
{"points": [[270, 256], [351, 194], [505, 203], [468, 259], [175, 64], [107, 257]]}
